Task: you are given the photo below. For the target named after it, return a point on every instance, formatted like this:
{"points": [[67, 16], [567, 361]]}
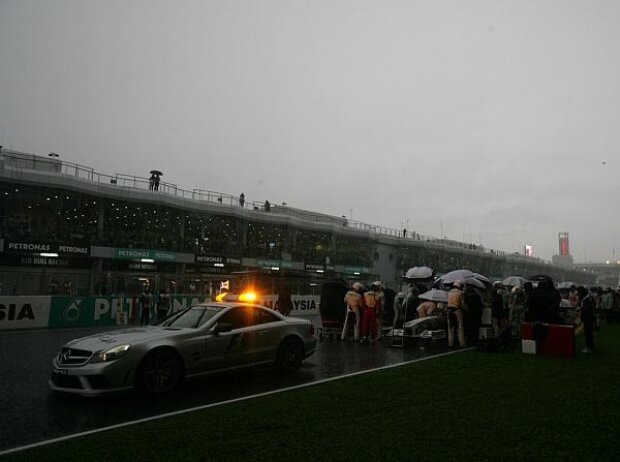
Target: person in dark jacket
{"points": [[163, 303], [146, 302], [588, 317], [285, 304], [544, 303], [498, 311], [473, 315]]}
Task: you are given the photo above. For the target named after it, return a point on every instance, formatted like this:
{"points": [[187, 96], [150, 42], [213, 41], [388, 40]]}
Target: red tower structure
{"points": [[563, 242]]}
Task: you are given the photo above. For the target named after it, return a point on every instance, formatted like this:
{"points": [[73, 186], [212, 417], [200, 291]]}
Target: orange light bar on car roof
{"points": [[247, 297]]}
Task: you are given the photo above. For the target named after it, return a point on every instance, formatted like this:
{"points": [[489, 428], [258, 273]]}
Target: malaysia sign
{"points": [[303, 305], [19, 312]]}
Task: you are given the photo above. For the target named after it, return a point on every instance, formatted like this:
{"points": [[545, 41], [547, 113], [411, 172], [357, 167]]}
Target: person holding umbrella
{"points": [[473, 315], [455, 314], [353, 299], [498, 308], [154, 180], [372, 306], [516, 308]]}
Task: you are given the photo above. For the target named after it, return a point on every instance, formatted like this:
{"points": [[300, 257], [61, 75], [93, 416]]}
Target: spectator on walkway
{"points": [[241, 200], [267, 206], [152, 182]]}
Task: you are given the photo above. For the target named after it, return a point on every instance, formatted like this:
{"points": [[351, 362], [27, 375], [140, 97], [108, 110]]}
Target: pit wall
{"points": [[47, 311]]}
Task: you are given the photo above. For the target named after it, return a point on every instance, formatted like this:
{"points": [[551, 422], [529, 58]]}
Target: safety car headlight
{"points": [[111, 354]]}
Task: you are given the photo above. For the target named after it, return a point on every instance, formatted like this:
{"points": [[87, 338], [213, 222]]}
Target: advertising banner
{"points": [[180, 302], [21, 312], [134, 254], [105, 311], [71, 311], [274, 263], [303, 305], [23, 247]]}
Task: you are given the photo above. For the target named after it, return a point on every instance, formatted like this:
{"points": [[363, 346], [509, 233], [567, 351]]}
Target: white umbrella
{"points": [[567, 285], [435, 295], [419, 272], [514, 281]]}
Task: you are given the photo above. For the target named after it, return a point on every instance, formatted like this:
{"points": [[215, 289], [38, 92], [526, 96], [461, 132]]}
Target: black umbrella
{"points": [[541, 277], [452, 276], [156, 172]]}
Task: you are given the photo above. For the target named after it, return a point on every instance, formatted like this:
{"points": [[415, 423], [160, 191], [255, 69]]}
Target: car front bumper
{"points": [[92, 379]]}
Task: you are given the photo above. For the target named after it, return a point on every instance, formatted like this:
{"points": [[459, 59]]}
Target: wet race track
{"points": [[32, 412]]}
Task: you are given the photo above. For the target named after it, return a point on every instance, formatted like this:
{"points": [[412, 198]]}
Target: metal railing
{"points": [[19, 160]]}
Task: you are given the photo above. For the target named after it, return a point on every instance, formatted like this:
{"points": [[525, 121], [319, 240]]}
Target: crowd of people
{"points": [[537, 302], [154, 304], [58, 288], [462, 308], [364, 312]]}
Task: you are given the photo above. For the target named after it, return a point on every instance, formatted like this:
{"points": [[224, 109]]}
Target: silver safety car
{"points": [[202, 339]]}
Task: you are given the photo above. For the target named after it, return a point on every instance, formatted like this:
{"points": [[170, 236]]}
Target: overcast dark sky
{"points": [[496, 122]]}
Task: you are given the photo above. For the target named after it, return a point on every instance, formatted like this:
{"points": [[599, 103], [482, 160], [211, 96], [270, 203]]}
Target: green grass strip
{"points": [[469, 406]]}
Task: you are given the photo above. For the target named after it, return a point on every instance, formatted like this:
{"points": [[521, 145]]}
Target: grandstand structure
{"points": [[64, 223]]}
